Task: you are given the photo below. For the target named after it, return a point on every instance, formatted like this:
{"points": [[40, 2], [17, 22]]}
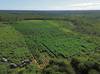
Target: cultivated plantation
{"points": [[40, 43]]}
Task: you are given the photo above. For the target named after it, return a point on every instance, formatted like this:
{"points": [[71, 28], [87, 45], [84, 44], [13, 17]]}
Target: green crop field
{"points": [[40, 43]]}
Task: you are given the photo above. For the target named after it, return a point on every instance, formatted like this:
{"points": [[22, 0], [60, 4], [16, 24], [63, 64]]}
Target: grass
{"points": [[57, 38], [12, 44]]}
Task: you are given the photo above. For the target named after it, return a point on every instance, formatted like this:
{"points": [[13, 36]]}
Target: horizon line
{"points": [[47, 10]]}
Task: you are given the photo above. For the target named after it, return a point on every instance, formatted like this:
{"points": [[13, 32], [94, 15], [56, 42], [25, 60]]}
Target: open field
{"points": [[45, 43]]}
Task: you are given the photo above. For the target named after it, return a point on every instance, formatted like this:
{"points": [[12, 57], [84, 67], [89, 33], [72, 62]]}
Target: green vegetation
{"points": [[38, 43]]}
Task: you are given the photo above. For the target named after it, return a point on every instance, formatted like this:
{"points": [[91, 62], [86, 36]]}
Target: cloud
{"points": [[93, 5], [86, 4]]}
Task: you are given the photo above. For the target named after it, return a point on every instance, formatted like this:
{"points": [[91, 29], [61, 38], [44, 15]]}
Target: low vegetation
{"points": [[38, 43]]}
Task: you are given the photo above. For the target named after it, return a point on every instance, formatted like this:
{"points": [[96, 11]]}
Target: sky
{"points": [[49, 4]]}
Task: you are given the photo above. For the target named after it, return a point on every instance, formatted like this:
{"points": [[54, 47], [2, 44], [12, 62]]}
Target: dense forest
{"points": [[49, 42]]}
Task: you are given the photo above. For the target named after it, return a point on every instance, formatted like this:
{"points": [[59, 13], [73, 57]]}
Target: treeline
{"points": [[11, 16]]}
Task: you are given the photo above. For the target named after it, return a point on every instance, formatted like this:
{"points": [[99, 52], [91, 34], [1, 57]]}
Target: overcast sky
{"points": [[49, 4]]}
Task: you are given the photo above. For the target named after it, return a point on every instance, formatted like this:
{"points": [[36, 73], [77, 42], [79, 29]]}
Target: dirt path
{"points": [[40, 66]]}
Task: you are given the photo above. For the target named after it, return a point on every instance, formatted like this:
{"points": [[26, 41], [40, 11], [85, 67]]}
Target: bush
{"points": [[58, 67]]}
